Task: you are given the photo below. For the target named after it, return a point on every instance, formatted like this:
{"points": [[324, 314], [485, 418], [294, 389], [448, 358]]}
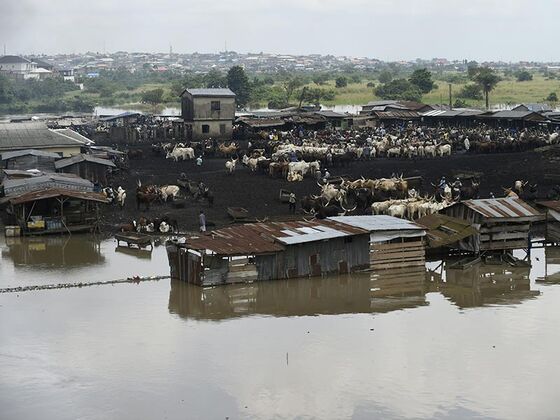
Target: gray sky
{"points": [[508, 30]]}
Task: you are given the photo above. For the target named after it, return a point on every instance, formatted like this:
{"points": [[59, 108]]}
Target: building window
{"points": [[205, 128], [222, 129], [215, 105]]}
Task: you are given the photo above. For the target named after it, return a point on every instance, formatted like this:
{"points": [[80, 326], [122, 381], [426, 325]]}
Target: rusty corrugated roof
{"points": [[552, 204], [270, 237], [506, 207], [55, 192]]}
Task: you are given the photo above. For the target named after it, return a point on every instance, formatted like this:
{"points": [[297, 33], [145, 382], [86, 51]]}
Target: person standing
{"points": [[292, 203], [202, 221]]}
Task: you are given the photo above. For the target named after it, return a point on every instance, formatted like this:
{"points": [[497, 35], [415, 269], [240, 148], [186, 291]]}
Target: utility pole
{"points": [[4, 49], [450, 98]]}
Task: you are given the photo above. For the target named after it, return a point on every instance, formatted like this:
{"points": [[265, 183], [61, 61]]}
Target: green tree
{"points": [[385, 76], [422, 79], [523, 76], [471, 91], [290, 85], [487, 79], [153, 97], [552, 97], [341, 82], [214, 79], [399, 89], [6, 90], [239, 83]]}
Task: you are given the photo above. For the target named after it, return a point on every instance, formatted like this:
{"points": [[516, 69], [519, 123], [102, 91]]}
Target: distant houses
{"points": [[23, 68]]}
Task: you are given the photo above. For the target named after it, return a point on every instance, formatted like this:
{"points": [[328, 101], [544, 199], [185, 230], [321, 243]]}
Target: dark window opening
{"points": [[215, 105], [205, 128], [222, 129]]}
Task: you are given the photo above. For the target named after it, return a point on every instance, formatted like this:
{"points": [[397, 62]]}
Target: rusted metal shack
{"points": [[501, 223], [280, 250]]}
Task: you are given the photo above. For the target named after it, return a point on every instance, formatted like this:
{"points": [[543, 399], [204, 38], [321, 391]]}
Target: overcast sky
{"points": [[509, 30]]}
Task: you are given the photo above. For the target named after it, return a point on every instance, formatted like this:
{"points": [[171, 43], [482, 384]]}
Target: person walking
{"points": [[292, 203], [202, 221]]}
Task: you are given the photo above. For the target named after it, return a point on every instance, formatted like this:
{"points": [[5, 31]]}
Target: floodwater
{"points": [[482, 343]]}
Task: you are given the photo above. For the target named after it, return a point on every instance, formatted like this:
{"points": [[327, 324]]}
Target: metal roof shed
{"points": [[394, 242], [500, 223]]}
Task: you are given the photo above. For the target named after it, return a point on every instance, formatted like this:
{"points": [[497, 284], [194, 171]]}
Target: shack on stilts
{"points": [[501, 224], [280, 250]]}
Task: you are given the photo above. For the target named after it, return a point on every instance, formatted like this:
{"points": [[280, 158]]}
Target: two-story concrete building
{"points": [[16, 66], [208, 112]]}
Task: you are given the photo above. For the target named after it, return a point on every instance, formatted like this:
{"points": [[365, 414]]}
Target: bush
{"points": [[399, 89], [341, 82], [552, 97], [523, 76]]}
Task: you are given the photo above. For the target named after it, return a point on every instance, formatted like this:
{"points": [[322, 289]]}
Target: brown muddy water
{"points": [[476, 344]]}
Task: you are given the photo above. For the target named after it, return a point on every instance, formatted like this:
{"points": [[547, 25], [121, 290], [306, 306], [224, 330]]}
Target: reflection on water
{"points": [[393, 345], [386, 291], [482, 285], [28, 261], [54, 251], [355, 293]]}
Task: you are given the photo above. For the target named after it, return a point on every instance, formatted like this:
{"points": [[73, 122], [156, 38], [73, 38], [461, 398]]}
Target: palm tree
{"points": [[487, 80]]}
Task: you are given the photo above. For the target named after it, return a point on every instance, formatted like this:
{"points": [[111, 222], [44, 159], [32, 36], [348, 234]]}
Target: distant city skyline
{"points": [[389, 30]]}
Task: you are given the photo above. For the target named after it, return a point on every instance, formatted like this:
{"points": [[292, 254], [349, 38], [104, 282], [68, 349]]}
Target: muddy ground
{"points": [[259, 193]]}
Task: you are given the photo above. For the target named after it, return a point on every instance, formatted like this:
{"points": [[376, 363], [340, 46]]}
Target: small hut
{"points": [[54, 210], [29, 159], [280, 250], [552, 211], [393, 242], [501, 223], [86, 166]]}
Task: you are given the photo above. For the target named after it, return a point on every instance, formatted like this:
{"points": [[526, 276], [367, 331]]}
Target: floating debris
{"points": [[135, 279]]}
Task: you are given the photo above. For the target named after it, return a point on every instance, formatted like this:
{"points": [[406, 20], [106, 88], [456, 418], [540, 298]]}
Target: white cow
{"points": [[181, 153], [169, 191], [445, 150]]}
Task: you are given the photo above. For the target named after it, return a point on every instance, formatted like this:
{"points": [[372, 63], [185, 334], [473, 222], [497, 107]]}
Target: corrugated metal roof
{"points": [[377, 223], [404, 114], [515, 115], [270, 237], [501, 207], [33, 152], [127, 114], [261, 122], [73, 135], [35, 135], [211, 92], [552, 204], [63, 163], [331, 114], [235, 240], [445, 230], [452, 113], [64, 181], [55, 192]]}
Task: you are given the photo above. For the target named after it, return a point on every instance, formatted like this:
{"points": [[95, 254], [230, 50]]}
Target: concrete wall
{"points": [[214, 129]]}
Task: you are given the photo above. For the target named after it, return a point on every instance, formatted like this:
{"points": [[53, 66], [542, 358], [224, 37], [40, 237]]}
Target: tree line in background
{"points": [[276, 89]]}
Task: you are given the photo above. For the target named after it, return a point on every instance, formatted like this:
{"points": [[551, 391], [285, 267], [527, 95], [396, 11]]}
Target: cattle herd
{"points": [[297, 154]]}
